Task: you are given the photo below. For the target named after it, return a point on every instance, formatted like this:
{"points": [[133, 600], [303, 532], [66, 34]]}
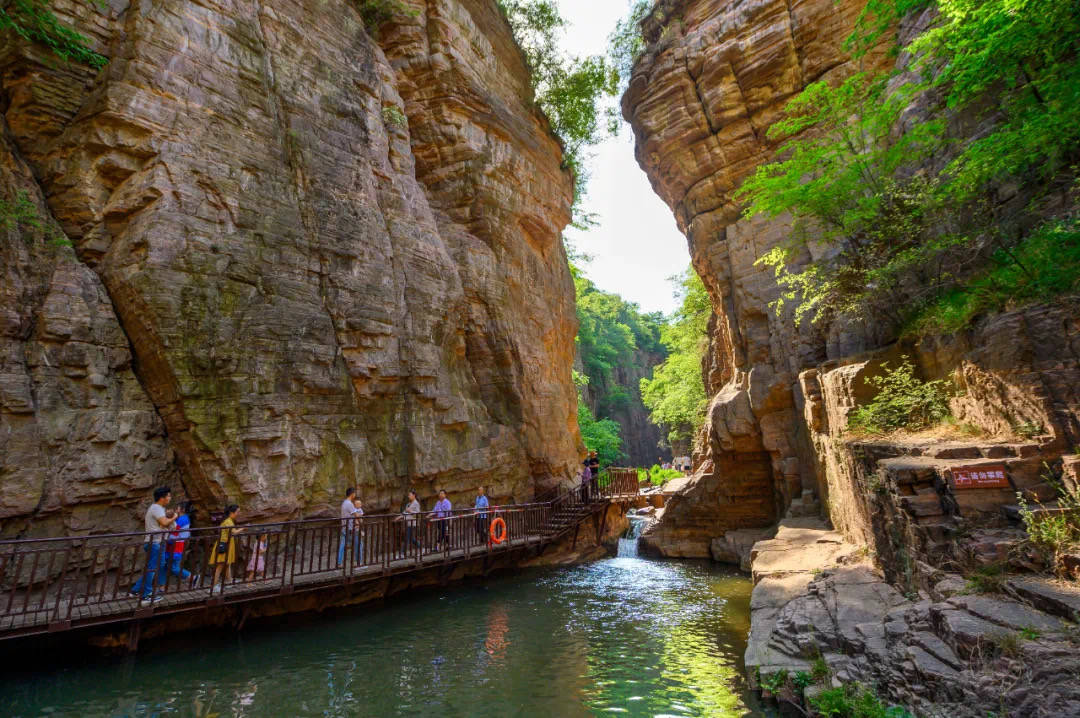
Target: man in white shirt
{"points": [[156, 524], [348, 528]]}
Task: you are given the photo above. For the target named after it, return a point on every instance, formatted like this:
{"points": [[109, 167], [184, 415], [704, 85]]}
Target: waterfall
{"points": [[628, 544]]}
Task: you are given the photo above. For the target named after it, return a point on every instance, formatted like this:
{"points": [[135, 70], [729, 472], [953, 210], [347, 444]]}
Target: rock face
{"points": [[640, 437], [714, 77], [80, 441], [303, 260], [943, 652]]}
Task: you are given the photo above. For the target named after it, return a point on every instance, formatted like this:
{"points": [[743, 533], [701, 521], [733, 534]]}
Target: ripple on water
{"points": [[622, 636]]}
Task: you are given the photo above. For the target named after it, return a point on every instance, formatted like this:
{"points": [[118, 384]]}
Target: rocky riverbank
{"points": [[822, 613]]}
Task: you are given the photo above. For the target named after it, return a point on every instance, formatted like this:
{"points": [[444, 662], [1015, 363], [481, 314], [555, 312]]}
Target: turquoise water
{"points": [[624, 636]]}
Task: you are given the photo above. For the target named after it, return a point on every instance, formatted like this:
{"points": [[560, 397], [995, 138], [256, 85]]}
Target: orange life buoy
{"points": [[498, 538]]}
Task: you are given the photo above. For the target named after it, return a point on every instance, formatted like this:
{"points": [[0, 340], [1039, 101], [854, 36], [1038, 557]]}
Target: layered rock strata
{"points": [[714, 77], [942, 651], [308, 260]]}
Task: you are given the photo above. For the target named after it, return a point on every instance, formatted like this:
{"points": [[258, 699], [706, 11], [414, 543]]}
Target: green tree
{"points": [[599, 435], [569, 90], [675, 394], [611, 333], [853, 173], [626, 42]]}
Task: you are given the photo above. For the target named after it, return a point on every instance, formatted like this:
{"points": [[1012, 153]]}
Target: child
{"points": [[257, 562], [224, 553], [358, 553]]}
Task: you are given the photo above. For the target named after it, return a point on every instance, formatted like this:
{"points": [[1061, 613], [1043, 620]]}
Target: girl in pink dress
{"points": [[257, 563]]}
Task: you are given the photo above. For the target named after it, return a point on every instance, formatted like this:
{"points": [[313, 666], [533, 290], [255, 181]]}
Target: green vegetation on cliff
{"points": [[929, 224], [33, 21], [613, 334], [676, 393], [569, 90], [376, 12], [599, 435], [903, 401]]}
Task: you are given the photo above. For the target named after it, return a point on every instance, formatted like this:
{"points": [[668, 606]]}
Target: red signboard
{"points": [[987, 476]]}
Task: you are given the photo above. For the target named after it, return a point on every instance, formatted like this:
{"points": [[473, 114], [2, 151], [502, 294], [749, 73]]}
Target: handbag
{"points": [[222, 548]]}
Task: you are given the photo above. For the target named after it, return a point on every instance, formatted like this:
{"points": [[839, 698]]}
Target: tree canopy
{"points": [[905, 203], [612, 333], [569, 90], [675, 394]]}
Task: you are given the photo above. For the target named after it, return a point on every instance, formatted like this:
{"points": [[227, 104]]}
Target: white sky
{"points": [[636, 247]]}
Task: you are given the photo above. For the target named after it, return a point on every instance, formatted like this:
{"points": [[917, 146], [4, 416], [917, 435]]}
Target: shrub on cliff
{"points": [[33, 21], [903, 401], [1054, 533], [569, 90], [1044, 266], [626, 42], [907, 209]]}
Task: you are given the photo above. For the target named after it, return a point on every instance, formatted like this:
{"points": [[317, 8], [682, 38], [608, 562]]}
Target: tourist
{"points": [[441, 514], [410, 514], [586, 482], [348, 508], [224, 553], [594, 471], [257, 563], [481, 506], [358, 527], [178, 539], [155, 523]]}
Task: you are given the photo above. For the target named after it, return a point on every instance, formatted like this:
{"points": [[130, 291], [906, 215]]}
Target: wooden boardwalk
{"points": [[62, 584]]}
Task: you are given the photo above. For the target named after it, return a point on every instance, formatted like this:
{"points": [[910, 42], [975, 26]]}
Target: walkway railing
{"points": [[54, 584]]}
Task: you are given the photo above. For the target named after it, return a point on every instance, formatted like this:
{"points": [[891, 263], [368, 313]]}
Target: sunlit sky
{"points": [[637, 246]]}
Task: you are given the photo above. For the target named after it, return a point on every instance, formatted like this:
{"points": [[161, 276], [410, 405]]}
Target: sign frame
{"points": [[979, 476]]}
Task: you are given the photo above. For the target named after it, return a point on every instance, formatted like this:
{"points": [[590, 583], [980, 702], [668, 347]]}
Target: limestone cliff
{"points": [[303, 259], [641, 438], [714, 77]]}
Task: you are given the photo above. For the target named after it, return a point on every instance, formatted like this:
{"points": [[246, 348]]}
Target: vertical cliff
{"points": [[714, 77], [303, 259]]}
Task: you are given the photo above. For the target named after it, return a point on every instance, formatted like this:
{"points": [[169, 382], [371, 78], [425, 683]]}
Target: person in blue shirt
{"points": [[481, 506], [177, 539], [441, 514]]}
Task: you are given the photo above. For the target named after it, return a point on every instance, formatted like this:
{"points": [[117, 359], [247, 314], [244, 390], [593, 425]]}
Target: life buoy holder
{"points": [[498, 536]]}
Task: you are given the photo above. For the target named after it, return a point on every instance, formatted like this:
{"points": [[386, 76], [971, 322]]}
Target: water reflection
{"points": [[627, 636]]}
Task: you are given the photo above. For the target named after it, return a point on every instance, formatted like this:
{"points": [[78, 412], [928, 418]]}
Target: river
{"points": [[623, 636]]}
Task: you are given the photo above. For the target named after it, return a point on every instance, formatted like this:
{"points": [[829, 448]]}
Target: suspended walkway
{"points": [[61, 584]]}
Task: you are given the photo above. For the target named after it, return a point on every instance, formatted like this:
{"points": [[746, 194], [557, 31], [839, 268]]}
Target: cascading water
{"points": [[628, 544]]}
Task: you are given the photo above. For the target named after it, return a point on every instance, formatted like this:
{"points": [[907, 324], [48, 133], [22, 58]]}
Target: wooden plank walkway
{"points": [[55, 585]]}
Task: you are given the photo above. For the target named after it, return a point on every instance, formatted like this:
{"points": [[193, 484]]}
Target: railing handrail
{"points": [[164, 533]]}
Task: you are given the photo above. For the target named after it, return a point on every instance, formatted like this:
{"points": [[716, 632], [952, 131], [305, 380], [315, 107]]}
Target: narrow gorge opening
{"points": [[395, 293]]}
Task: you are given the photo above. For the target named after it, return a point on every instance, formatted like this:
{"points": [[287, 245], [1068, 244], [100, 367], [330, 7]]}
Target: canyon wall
{"points": [[641, 438], [303, 259], [714, 77]]}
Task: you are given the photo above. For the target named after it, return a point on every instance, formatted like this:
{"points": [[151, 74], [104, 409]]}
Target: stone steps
{"points": [[1058, 598], [804, 507]]}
